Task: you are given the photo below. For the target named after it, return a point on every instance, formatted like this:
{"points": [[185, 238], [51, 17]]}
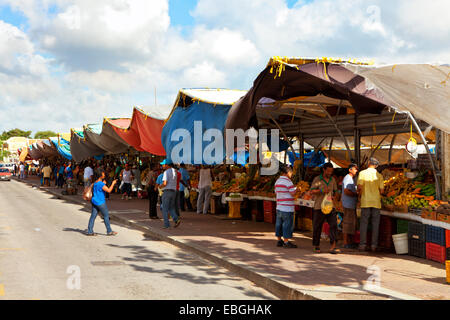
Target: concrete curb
{"points": [[278, 289]]}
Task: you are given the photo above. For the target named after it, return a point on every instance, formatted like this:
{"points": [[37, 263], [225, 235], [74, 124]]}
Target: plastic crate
{"points": [[402, 226], [270, 217], [387, 225], [416, 231], [435, 235], [269, 206], [435, 252], [417, 248], [447, 237]]}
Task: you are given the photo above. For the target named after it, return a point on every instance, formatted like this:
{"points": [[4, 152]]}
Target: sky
{"points": [[67, 63]]}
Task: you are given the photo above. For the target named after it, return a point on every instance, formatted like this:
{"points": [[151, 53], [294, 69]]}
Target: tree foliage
{"points": [[45, 134], [15, 133]]}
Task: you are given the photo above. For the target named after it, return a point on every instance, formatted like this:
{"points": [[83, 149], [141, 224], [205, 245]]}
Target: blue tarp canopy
{"points": [[208, 107], [63, 147], [311, 159]]}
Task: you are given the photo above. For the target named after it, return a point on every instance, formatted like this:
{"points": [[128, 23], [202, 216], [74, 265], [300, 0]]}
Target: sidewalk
{"points": [[249, 249]]}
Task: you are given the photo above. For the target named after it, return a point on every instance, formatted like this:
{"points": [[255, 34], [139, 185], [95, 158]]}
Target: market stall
{"points": [[328, 102]]}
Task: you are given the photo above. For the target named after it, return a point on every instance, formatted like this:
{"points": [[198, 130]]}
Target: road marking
{"points": [[2, 290]]}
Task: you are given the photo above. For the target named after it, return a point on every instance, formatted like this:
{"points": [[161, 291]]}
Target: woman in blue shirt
{"points": [[99, 204]]}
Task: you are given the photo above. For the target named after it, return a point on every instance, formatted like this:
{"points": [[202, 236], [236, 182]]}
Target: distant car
{"points": [[5, 174]]}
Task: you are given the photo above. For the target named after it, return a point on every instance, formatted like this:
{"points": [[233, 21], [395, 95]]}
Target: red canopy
{"points": [[142, 133]]}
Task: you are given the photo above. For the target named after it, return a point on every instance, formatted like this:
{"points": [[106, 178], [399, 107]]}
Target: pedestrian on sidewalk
{"points": [[126, 176], [22, 171], [349, 201], [169, 195], [320, 187], [98, 202], [46, 172], [370, 187], [186, 178], [61, 169], [205, 190], [285, 191], [152, 191]]}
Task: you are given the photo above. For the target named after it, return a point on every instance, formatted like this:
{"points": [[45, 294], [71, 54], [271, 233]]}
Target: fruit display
{"points": [[302, 188]]}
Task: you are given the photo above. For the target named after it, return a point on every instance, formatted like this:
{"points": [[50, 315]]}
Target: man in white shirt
{"points": [[205, 190], [285, 191], [169, 196], [88, 173]]}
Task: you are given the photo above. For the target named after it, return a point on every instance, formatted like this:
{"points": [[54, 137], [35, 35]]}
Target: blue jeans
{"points": [[284, 226], [104, 210], [169, 198]]}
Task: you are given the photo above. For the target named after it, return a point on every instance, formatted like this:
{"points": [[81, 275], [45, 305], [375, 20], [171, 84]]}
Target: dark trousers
{"points": [[318, 219], [153, 200], [185, 203], [177, 203], [60, 181], [126, 188]]}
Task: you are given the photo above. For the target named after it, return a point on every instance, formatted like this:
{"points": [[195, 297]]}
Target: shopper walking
{"points": [[370, 187], [152, 192], [126, 176], [205, 190], [98, 202], [285, 191], [169, 196], [349, 201], [320, 187]]}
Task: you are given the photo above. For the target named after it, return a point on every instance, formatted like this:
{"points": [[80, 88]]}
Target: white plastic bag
{"points": [[186, 193], [327, 204]]}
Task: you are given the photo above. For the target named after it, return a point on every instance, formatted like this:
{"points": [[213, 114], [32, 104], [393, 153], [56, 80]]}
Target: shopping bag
{"points": [[186, 193], [87, 193], [327, 204]]}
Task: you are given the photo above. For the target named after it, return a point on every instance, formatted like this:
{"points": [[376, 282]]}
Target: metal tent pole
{"points": [[433, 164]]}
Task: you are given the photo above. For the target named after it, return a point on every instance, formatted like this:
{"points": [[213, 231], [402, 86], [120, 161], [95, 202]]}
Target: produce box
{"points": [[443, 217], [435, 235], [269, 206], [435, 252], [417, 248], [430, 215]]}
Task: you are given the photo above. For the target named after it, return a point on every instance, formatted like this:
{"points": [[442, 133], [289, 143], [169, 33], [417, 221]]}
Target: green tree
{"points": [[45, 134], [15, 133]]}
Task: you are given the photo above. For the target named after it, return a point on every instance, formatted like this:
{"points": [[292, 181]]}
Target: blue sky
{"points": [[121, 52]]}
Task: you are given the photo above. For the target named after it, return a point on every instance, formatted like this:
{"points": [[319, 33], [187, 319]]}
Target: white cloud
{"points": [[108, 55]]}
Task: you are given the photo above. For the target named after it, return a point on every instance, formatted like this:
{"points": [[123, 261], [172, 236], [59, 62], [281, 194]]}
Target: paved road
{"points": [[43, 249]]}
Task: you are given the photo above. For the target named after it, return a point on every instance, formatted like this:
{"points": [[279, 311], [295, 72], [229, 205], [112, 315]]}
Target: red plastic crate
{"points": [[270, 217], [435, 252], [269, 206], [447, 237], [387, 225]]}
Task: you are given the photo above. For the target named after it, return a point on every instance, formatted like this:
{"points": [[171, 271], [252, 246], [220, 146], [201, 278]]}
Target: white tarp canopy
{"points": [[421, 89]]}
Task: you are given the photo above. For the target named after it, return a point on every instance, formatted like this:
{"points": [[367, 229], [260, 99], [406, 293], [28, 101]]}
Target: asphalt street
{"points": [[44, 254]]}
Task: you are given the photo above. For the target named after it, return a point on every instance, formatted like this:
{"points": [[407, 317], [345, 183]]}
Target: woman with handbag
{"points": [[97, 195]]}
